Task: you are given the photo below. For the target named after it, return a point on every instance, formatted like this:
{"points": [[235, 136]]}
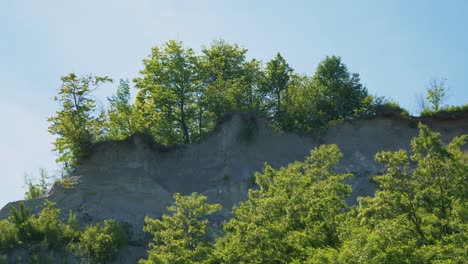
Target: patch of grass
{"points": [[449, 112]]}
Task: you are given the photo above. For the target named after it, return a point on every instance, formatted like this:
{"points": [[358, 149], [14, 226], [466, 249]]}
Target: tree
{"points": [[77, 125], [437, 93], [184, 236], [120, 123], [337, 91], [168, 80], [419, 213], [222, 67], [277, 75], [244, 92], [293, 216]]}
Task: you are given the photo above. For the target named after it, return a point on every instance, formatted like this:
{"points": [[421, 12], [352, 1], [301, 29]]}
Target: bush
{"points": [[101, 242], [391, 109], [24, 222], [8, 237], [49, 225]]}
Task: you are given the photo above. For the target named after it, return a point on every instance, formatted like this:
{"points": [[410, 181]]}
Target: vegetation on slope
{"points": [[47, 235]]}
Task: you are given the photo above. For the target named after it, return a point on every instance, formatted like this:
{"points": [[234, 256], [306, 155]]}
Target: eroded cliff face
{"points": [[134, 178]]}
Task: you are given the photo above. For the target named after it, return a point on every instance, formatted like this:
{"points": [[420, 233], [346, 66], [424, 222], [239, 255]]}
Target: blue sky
{"points": [[396, 46]]}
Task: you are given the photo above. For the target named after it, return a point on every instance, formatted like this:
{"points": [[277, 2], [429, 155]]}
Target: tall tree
{"points": [[277, 76], [77, 124], [339, 92], [222, 69], [169, 80]]}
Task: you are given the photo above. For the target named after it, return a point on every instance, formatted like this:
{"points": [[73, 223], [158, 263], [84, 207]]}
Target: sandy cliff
{"points": [[130, 179]]}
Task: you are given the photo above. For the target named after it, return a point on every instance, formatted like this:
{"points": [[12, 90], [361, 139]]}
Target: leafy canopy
{"points": [[184, 236], [294, 214], [420, 212]]}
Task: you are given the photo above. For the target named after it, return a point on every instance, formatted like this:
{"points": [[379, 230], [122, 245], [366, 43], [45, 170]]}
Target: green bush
{"points": [[50, 226], [8, 237], [101, 242], [391, 109], [24, 222]]}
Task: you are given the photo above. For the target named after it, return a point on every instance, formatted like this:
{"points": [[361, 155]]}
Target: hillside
{"points": [[128, 180]]}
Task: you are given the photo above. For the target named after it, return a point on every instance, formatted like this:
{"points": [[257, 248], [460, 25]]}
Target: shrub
{"points": [[391, 109], [49, 225], [8, 237], [101, 242], [24, 222]]}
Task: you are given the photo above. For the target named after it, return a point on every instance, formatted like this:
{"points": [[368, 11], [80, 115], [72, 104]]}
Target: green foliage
{"points": [[99, 242], [419, 215], [168, 83], [24, 221], [337, 92], [49, 225], [76, 125], [182, 96], [330, 95], [274, 87], [391, 109], [102, 241], [293, 215], [227, 83], [8, 238], [184, 236]]}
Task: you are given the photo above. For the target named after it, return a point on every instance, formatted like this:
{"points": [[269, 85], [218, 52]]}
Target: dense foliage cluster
{"points": [[184, 236], [181, 96], [46, 235]]}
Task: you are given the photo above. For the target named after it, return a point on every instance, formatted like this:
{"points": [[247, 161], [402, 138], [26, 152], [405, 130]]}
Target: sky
{"points": [[397, 47]]}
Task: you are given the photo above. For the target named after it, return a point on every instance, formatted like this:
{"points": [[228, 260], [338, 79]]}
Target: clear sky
{"points": [[396, 46]]}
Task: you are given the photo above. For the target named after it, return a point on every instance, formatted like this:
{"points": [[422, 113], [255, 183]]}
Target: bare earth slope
{"points": [[134, 178]]}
